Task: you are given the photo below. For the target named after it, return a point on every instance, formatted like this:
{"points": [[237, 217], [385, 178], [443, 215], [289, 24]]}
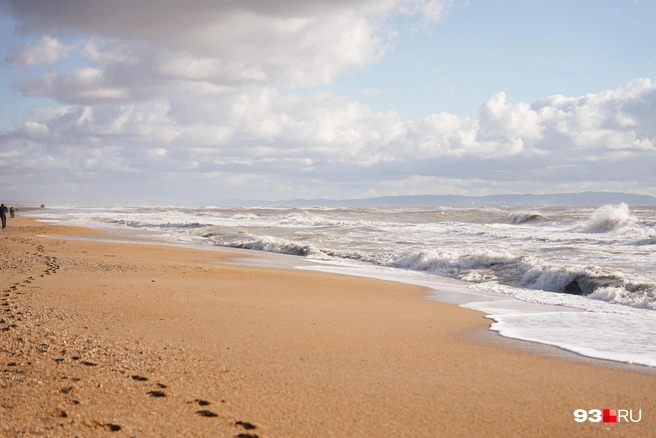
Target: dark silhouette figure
{"points": [[3, 215], [11, 211]]}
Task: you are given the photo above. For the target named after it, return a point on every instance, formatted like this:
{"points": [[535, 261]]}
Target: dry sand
{"points": [[112, 339]]}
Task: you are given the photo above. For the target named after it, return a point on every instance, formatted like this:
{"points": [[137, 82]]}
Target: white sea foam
{"points": [[275, 245], [608, 218], [644, 298], [603, 336], [481, 266], [453, 263], [163, 224], [244, 216]]}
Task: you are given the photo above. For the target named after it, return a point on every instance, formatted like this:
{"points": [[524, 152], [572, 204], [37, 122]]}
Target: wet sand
{"points": [[115, 339]]}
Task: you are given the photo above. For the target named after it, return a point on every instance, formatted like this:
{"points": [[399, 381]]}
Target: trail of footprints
{"points": [[242, 425], [11, 313], [245, 428], [6, 303]]}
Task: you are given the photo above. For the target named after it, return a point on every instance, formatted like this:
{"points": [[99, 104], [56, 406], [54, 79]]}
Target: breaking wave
{"points": [[138, 224], [532, 273], [487, 266], [609, 218], [526, 217], [244, 216], [310, 220], [272, 244], [641, 297]]}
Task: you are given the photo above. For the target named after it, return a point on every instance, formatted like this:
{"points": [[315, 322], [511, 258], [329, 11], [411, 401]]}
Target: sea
{"points": [[579, 278]]}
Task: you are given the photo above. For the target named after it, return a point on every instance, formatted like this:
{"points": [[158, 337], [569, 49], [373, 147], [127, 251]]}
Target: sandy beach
{"points": [[115, 339]]}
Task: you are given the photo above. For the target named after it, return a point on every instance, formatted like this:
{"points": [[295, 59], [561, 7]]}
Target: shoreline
{"points": [[272, 260], [290, 352], [506, 322], [269, 260]]}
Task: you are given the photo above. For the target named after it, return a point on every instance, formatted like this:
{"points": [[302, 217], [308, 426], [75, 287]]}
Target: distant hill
{"points": [[570, 199]]}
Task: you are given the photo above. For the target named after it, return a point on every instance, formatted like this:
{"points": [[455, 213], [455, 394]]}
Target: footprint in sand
{"points": [[206, 413], [153, 393], [139, 378], [109, 426], [246, 425]]}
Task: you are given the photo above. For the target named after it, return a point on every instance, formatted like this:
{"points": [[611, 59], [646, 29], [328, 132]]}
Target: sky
{"points": [[191, 103]]}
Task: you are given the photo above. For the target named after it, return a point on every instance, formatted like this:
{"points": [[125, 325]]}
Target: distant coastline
{"points": [[556, 199]]}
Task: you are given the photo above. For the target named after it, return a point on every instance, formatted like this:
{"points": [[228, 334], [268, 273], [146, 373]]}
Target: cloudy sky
{"points": [[194, 102]]}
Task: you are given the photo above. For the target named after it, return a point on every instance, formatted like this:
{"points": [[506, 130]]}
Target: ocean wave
{"points": [[271, 244], [244, 216], [610, 218], [311, 220], [651, 240], [163, 225], [521, 217], [487, 266], [450, 262], [641, 297]]}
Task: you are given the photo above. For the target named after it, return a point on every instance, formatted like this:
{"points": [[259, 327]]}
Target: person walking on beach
{"points": [[11, 212], [3, 215]]}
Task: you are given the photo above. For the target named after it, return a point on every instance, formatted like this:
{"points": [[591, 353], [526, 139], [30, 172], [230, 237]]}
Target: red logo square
{"points": [[610, 415]]}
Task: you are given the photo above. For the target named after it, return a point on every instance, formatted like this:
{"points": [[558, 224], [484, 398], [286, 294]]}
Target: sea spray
{"points": [[608, 218]]}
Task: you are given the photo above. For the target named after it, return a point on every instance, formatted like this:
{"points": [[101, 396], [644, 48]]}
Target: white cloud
{"points": [[156, 153], [45, 51], [500, 120], [36, 131], [85, 117], [85, 85], [614, 119], [112, 53], [331, 138], [430, 10], [287, 44], [202, 91]]}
